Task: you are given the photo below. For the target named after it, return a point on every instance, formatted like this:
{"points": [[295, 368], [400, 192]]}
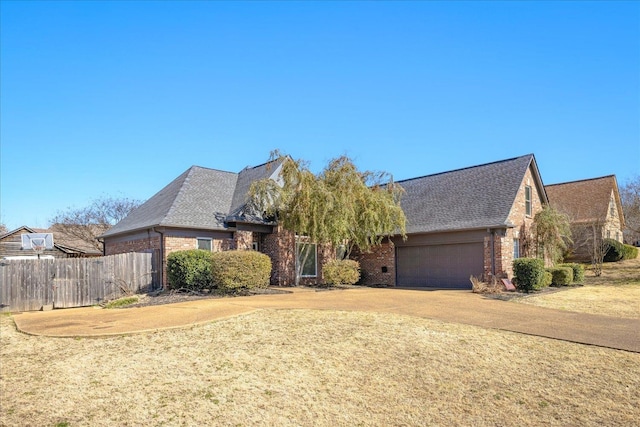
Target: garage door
{"points": [[439, 266]]}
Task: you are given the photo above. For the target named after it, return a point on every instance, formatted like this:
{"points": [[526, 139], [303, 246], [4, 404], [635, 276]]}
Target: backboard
{"points": [[34, 241]]}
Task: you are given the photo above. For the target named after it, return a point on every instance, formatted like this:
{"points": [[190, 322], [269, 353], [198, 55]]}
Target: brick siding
{"points": [[374, 263]]}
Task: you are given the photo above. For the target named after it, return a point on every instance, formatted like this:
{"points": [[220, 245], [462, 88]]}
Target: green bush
{"points": [[232, 270], [546, 281], [615, 251], [578, 271], [189, 269], [529, 273], [341, 272], [561, 276], [629, 252]]}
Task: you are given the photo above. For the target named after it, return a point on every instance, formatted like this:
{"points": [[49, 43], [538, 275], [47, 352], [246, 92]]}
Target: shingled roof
{"points": [[465, 199], [587, 200], [199, 198]]}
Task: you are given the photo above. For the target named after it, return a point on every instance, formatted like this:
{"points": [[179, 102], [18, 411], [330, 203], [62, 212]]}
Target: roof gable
{"points": [[198, 198], [586, 200], [22, 228], [246, 177], [470, 198]]}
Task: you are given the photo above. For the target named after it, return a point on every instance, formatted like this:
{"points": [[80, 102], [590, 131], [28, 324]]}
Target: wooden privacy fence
{"points": [[27, 285]]}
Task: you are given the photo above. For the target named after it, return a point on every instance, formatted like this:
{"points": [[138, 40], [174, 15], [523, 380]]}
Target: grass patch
{"points": [[615, 293], [122, 302], [316, 368]]}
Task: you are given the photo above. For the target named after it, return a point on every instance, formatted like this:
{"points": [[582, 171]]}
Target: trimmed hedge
{"points": [[629, 252], [615, 251], [341, 272], [561, 276], [529, 274], [578, 271], [547, 280], [619, 251], [232, 270], [189, 269]]}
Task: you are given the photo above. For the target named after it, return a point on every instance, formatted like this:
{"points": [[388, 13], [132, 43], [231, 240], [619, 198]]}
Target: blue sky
{"points": [[118, 98]]}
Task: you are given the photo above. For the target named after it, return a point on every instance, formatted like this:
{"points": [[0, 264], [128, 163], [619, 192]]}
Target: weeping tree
{"points": [[552, 233], [341, 206]]}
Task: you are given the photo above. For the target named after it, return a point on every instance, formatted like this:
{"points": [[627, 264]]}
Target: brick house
{"points": [[206, 209], [593, 206], [471, 221]]}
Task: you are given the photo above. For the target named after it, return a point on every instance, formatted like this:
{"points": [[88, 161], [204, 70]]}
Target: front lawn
{"points": [[615, 293], [315, 368]]}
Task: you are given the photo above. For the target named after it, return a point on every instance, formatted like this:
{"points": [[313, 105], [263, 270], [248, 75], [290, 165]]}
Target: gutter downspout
{"points": [[161, 275]]}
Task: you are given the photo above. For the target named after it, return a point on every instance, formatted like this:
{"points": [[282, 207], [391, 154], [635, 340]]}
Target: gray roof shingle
{"points": [[469, 198], [199, 198], [245, 178], [463, 199]]}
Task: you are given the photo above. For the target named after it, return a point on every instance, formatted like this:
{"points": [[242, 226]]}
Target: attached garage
{"points": [[428, 262], [467, 222]]}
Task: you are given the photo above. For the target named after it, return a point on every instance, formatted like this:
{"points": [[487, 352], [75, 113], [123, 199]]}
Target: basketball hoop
{"points": [[38, 244]]}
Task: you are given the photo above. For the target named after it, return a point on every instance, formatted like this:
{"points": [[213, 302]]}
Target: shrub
{"points": [[480, 287], [561, 276], [189, 269], [546, 281], [629, 252], [232, 270], [614, 252], [578, 271], [529, 273], [341, 272]]}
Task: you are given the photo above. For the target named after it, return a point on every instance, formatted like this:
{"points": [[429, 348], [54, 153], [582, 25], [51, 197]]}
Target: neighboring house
{"points": [[593, 207], [63, 246], [206, 209], [471, 221], [467, 222]]}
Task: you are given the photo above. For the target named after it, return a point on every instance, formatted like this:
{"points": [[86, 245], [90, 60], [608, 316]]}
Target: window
{"points": [[527, 200], [255, 246], [307, 256], [204, 244], [516, 248]]}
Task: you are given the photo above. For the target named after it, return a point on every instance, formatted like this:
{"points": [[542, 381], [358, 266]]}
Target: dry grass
{"points": [[615, 293], [315, 368]]}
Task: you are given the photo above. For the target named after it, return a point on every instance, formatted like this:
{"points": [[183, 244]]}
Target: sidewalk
{"points": [[450, 306]]}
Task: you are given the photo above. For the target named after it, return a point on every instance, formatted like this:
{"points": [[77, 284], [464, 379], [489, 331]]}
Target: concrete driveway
{"points": [[449, 306]]}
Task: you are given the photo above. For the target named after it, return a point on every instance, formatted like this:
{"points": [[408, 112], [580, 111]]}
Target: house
{"points": [[468, 222], [471, 221], [594, 209], [64, 246], [206, 209]]}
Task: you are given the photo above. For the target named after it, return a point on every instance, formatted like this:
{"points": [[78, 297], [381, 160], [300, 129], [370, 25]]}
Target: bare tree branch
{"points": [[630, 199], [87, 223]]}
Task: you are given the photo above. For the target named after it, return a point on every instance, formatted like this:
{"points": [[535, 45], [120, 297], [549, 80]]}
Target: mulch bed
{"points": [[183, 295]]}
